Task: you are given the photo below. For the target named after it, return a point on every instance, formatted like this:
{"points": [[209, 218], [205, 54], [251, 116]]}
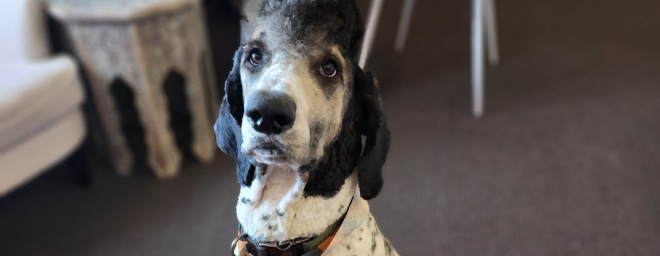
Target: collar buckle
{"points": [[284, 245]]}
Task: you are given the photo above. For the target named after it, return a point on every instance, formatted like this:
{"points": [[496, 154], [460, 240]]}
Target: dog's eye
{"points": [[256, 57], [329, 68]]}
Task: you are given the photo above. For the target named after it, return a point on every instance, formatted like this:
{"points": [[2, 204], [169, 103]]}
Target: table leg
{"points": [[370, 33], [491, 31], [404, 25], [120, 154], [203, 144], [477, 58], [163, 154]]}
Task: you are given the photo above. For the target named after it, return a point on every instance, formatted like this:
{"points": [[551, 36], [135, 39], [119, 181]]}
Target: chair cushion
{"points": [[34, 95]]}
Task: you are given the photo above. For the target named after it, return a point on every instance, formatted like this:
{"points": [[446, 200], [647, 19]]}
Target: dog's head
{"points": [[297, 97]]}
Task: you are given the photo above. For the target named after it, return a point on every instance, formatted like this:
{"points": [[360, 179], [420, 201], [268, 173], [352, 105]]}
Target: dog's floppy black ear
{"points": [[374, 126], [234, 89], [227, 128], [229, 138]]}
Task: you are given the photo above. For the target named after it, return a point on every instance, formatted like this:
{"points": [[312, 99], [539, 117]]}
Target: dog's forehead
{"points": [[307, 25]]}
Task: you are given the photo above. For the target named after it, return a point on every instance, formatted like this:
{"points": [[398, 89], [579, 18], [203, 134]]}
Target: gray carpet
{"points": [[564, 162]]}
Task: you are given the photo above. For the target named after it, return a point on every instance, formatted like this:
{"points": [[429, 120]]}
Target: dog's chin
{"points": [[269, 150], [269, 156], [268, 153]]}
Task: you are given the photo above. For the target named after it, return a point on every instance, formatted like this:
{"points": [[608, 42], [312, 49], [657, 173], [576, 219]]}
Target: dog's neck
{"points": [[274, 208]]}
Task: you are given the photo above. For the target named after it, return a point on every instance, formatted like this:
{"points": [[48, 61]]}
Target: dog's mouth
{"points": [[268, 149], [268, 152]]}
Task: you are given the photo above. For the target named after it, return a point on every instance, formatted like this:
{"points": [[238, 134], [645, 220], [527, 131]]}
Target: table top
{"points": [[101, 10]]}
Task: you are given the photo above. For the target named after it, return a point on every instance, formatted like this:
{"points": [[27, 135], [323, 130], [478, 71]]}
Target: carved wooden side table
{"points": [[132, 47]]}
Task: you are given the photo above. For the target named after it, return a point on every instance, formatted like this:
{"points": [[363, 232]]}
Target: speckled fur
{"points": [[366, 240]]}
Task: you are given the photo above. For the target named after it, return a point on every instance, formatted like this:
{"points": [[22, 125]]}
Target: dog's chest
{"points": [[358, 234], [260, 211]]}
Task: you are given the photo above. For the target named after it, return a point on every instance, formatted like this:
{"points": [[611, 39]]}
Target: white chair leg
{"points": [[404, 25], [477, 58], [370, 34], [491, 31]]}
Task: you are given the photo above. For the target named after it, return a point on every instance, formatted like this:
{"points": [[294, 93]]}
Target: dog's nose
{"points": [[271, 114]]}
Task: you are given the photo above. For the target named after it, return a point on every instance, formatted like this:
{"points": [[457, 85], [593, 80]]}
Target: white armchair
{"points": [[41, 122]]}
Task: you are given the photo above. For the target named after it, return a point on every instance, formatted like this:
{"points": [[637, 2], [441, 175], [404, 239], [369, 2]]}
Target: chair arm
{"points": [[23, 30]]}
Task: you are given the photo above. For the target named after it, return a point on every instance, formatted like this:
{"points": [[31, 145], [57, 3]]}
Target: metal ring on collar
{"points": [[235, 242], [288, 245]]}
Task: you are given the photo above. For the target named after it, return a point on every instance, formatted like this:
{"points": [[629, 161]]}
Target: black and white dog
{"points": [[294, 115]]}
